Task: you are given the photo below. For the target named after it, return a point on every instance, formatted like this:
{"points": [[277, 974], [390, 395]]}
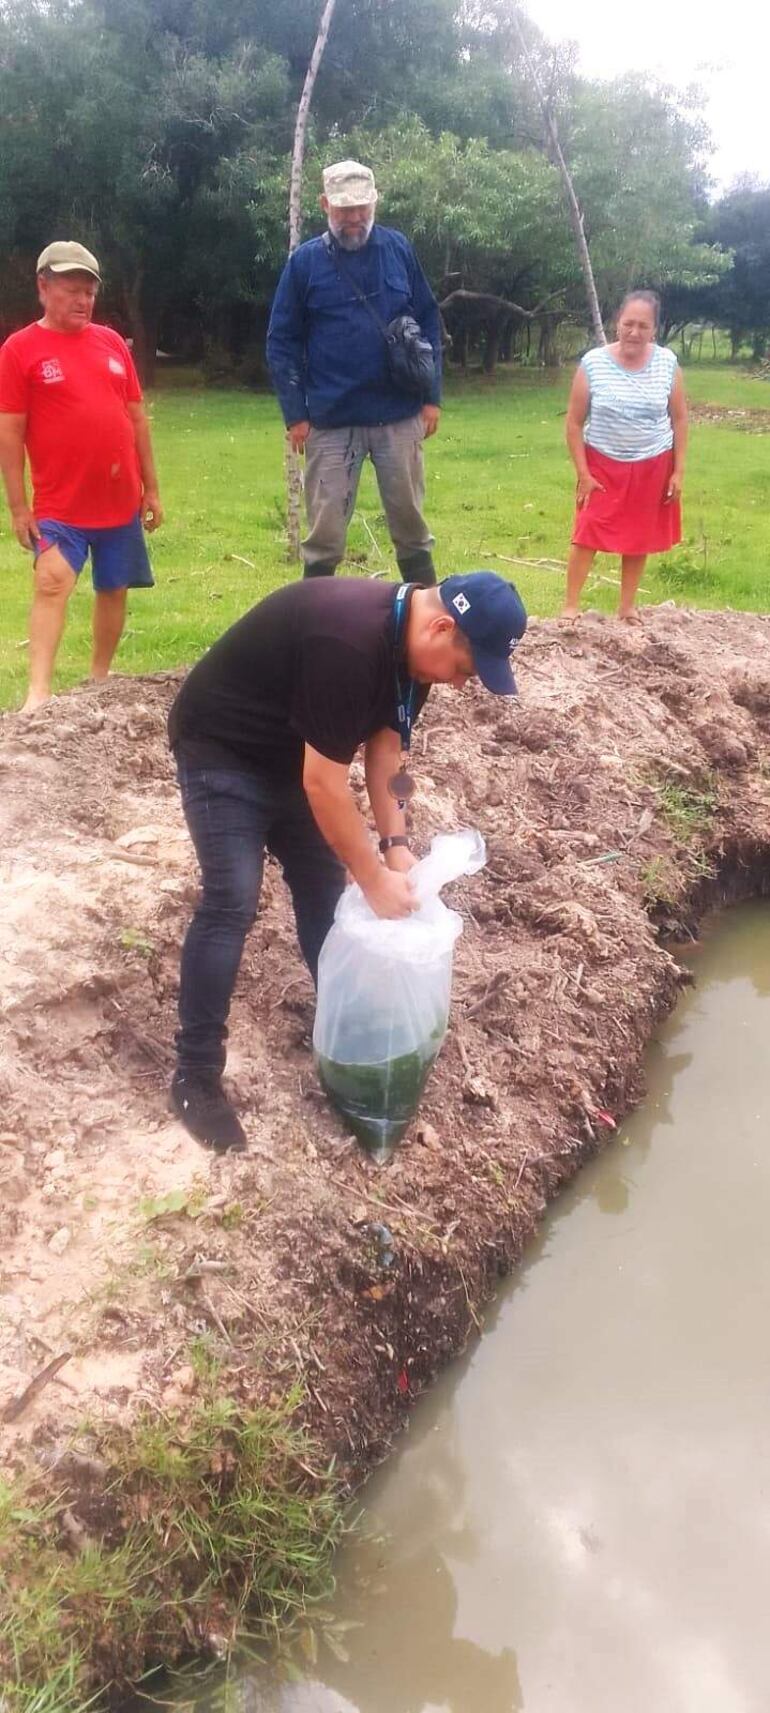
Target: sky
{"points": [[723, 47]]}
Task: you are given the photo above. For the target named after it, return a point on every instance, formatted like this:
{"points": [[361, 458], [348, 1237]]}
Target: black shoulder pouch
{"points": [[411, 363]]}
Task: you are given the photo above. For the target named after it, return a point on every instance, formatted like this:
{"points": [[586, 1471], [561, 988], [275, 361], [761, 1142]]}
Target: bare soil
{"points": [[751, 419], [627, 789]]}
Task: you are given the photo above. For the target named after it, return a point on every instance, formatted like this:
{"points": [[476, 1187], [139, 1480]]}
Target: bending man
{"points": [[264, 730]]}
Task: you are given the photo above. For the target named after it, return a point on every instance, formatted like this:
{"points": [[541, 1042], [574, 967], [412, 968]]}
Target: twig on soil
{"points": [[606, 856], [302, 1360], [201, 1266], [296, 981], [357, 1191], [159, 1055], [129, 856], [494, 987], [17, 1405], [471, 1309], [207, 1304], [463, 1051], [521, 1171]]}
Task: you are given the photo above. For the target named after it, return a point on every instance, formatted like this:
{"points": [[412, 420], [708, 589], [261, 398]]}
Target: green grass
{"points": [[687, 811], [499, 488], [222, 1526]]}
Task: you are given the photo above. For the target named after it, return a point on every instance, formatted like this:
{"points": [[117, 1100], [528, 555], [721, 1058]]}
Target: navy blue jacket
{"points": [[327, 357]]}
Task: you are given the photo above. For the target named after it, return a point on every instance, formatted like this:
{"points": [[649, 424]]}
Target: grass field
{"points": [[500, 489]]}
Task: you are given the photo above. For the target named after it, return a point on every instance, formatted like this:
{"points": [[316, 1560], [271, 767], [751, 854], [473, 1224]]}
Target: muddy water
{"points": [[579, 1518]]}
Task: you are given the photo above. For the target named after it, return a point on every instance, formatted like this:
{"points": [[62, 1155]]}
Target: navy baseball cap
{"points": [[490, 612]]}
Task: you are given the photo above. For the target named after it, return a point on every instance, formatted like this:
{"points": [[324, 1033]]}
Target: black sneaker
{"points": [[205, 1111]]}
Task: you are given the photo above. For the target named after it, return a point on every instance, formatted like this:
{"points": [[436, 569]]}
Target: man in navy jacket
{"points": [[328, 360]]}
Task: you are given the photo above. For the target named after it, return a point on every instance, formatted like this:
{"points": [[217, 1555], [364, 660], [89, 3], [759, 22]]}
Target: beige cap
{"points": [[349, 185], [65, 257]]}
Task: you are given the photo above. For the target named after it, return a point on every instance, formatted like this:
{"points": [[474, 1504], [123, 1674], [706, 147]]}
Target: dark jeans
{"points": [[233, 818]]}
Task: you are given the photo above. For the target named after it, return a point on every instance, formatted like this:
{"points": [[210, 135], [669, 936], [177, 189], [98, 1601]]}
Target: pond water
{"points": [[578, 1520]]}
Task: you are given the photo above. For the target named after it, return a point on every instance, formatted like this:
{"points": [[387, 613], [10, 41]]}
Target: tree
{"points": [[293, 476], [120, 135], [740, 301], [636, 158], [574, 211], [160, 132]]}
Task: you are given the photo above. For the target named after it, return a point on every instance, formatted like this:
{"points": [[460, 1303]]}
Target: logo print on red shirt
{"points": [[51, 370]]}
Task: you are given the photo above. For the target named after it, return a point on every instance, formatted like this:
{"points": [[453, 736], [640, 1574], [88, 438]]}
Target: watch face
{"points": [[401, 786]]}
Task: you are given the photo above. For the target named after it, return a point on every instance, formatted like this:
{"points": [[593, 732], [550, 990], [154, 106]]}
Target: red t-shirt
{"points": [[74, 389]]}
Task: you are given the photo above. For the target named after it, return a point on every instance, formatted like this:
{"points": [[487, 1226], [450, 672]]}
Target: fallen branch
{"points": [[128, 856], [535, 564], [494, 988], [19, 1404]]}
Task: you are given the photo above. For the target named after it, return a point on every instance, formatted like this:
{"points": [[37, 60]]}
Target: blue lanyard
{"points": [[404, 697]]}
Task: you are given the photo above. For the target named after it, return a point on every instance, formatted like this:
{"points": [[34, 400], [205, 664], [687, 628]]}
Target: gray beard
{"points": [[351, 240]]}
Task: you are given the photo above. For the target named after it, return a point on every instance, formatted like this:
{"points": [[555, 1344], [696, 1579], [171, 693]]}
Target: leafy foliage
{"points": [[159, 132]]}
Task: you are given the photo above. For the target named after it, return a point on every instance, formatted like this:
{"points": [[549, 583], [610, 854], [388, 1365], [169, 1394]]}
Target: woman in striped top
{"points": [[627, 435]]}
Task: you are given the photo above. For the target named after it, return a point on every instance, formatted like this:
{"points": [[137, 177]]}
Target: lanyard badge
{"points": [[401, 785]]}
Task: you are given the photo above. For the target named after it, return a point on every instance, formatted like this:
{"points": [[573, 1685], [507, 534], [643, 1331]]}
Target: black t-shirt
{"points": [[313, 663]]}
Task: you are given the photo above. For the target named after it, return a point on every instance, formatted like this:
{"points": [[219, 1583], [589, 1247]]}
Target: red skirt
{"points": [[632, 516]]}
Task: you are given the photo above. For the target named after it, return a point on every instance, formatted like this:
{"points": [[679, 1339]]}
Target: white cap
{"points": [[66, 257], [348, 184]]}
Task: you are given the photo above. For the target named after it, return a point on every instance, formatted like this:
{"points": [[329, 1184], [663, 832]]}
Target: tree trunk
{"points": [[492, 340], [547, 352], [293, 471], [573, 206], [144, 345], [144, 331]]}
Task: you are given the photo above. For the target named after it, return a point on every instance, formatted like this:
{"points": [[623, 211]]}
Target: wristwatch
{"points": [[395, 839]]}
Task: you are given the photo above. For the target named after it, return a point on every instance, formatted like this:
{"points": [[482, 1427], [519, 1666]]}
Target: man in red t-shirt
{"points": [[70, 397]]}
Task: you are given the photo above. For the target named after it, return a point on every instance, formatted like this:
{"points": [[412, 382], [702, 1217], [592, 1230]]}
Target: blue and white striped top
{"points": [[628, 415]]}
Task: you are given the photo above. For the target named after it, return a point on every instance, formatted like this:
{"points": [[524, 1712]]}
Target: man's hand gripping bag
{"points": [[384, 989]]}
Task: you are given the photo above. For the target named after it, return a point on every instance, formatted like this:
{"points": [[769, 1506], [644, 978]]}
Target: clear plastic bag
{"points": [[384, 989]]}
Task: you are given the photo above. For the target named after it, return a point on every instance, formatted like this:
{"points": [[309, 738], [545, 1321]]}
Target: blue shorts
{"points": [[119, 557]]}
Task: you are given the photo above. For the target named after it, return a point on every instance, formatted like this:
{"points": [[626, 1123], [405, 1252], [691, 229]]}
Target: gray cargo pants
{"points": [[334, 459]]}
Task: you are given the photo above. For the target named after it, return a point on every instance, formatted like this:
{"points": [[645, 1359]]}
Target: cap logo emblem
{"points": [[462, 603]]}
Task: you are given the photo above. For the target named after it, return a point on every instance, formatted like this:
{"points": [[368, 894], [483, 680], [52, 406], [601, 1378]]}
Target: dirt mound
{"points": [[626, 788], [751, 420]]}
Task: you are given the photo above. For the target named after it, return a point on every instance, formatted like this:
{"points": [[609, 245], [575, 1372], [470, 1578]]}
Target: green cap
{"points": [[65, 257]]}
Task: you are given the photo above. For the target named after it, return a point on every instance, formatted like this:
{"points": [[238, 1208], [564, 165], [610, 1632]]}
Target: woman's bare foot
{"points": [[570, 613], [632, 617], [35, 699]]}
